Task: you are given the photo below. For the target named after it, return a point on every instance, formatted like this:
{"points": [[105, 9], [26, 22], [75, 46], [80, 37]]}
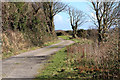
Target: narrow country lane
{"points": [[26, 65]]}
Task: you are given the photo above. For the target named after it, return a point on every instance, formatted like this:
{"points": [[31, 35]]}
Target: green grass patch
{"points": [[51, 42], [54, 65], [57, 68], [76, 40], [66, 37]]}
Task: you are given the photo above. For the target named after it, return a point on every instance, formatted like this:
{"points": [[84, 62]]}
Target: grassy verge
{"points": [[9, 54], [77, 40], [60, 67], [55, 66], [66, 37]]}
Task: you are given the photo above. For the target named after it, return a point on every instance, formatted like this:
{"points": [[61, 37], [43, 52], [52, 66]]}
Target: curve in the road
{"points": [[26, 65]]}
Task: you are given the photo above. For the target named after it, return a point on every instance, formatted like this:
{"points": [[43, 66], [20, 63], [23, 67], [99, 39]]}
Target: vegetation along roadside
{"points": [[82, 60]]}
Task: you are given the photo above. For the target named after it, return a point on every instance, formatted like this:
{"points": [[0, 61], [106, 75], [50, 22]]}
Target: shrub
{"points": [[61, 33], [82, 33]]}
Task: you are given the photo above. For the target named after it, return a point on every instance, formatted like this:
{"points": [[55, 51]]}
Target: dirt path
{"points": [[26, 65]]}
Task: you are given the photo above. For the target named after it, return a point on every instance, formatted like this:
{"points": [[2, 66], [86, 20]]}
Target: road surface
{"points": [[26, 65]]}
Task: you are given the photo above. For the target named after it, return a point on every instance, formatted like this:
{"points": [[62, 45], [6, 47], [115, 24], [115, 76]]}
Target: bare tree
{"points": [[50, 10], [77, 18], [105, 13]]}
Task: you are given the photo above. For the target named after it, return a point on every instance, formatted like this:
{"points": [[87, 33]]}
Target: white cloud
{"points": [[58, 18]]}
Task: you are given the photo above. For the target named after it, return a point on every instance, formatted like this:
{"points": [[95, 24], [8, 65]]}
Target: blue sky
{"points": [[62, 19]]}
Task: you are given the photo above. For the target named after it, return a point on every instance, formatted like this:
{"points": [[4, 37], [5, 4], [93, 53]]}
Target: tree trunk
{"points": [[52, 27], [99, 36], [48, 29], [74, 35], [74, 32], [105, 34]]}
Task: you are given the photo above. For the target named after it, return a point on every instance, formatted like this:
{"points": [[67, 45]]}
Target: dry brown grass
{"points": [[13, 41], [103, 59]]}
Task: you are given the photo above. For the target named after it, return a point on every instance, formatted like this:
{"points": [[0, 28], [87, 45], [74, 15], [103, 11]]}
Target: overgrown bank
{"points": [[24, 26], [84, 60]]}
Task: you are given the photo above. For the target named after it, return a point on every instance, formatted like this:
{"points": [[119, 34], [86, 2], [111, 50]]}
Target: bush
{"points": [[69, 32], [61, 33], [82, 33]]}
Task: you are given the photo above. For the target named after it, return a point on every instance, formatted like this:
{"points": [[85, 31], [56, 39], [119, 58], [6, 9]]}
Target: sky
{"points": [[62, 22]]}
